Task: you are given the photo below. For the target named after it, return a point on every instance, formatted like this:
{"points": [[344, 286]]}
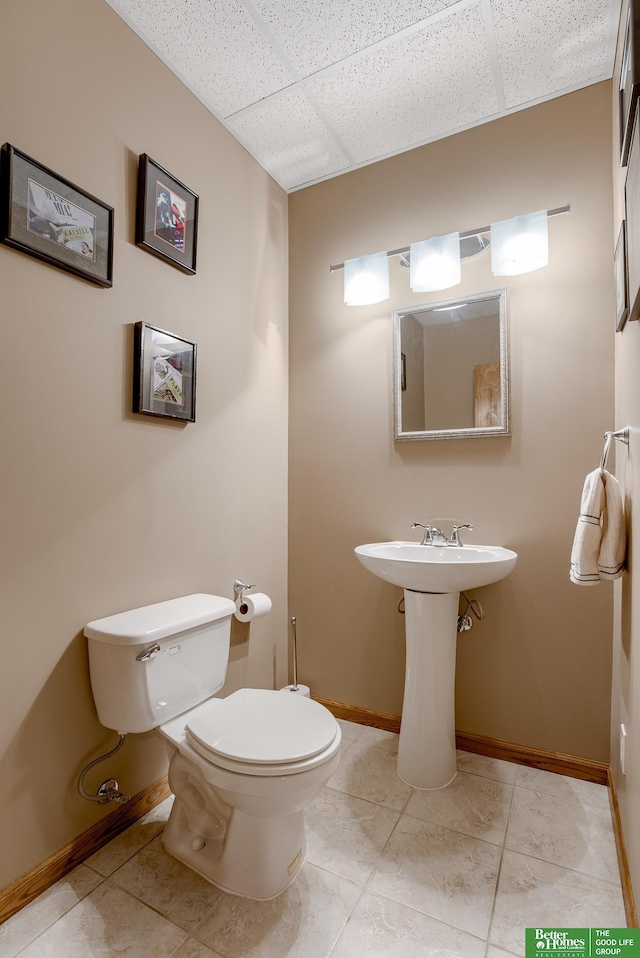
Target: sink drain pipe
{"points": [[465, 622], [108, 791]]}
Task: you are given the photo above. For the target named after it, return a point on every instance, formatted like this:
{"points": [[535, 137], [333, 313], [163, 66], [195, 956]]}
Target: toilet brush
{"points": [[298, 689]]}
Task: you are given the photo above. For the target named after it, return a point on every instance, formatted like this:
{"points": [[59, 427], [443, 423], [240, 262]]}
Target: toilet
{"points": [[242, 768]]}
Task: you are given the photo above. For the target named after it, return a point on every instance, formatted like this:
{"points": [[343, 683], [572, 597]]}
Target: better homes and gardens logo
{"points": [[559, 942], [582, 942]]}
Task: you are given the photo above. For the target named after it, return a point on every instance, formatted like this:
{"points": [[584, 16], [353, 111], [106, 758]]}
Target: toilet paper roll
{"points": [[299, 690], [250, 607]]}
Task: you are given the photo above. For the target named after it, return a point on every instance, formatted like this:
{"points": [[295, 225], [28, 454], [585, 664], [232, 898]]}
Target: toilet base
{"points": [[256, 858]]}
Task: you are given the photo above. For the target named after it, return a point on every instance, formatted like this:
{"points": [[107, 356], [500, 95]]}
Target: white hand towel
{"points": [[614, 536], [588, 537]]}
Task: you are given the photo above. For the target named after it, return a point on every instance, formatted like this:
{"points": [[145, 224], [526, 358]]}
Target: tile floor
{"points": [[391, 872]]}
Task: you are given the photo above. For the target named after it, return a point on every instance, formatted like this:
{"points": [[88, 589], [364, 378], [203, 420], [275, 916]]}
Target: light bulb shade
{"points": [[520, 245], [435, 263], [366, 280]]}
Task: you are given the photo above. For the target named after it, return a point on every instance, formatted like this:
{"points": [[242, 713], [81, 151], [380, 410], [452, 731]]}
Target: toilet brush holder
{"points": [[295, 688]]}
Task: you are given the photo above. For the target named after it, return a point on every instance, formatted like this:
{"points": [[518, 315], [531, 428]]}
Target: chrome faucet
{"points": [[433, 535], [438, 537]]}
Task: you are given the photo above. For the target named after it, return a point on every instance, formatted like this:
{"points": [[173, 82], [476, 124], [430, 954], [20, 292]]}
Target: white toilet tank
{"points": [[150, 664]]}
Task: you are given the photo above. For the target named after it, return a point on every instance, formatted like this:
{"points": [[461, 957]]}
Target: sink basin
{"points": [[436, 568]]}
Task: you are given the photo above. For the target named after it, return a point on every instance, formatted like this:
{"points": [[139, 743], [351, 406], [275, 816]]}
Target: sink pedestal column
{"points": [[427, 746]]}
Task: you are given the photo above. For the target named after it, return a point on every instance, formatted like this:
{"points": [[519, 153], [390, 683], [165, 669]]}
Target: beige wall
{"points": [[626, 655], [537, 671], [101, 510]]}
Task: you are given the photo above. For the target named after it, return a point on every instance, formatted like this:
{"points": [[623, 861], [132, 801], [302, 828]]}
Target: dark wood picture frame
{"points": [[166, 216], [621, 281], [48, 217], [164, 374], [632, 218], [629, 79]]}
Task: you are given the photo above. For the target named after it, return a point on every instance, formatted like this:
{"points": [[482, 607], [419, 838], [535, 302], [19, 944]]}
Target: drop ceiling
{"points": [[315, 88]]}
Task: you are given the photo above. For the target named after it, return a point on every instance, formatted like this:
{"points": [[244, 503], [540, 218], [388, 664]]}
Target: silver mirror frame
{"points": [[475, 432]]}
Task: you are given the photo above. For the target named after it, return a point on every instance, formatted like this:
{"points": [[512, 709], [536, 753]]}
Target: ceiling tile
{"points": [[316, 33], [217, 47], [423, 85], [551, 45], [292, 142]]}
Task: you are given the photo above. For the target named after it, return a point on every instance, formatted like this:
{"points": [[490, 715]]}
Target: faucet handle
{"points": [[455, 538], [426, 539]]}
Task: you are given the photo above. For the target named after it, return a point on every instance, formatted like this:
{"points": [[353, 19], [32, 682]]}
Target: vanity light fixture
{"points": [[519, 245], [366, 279], [435, 263]]}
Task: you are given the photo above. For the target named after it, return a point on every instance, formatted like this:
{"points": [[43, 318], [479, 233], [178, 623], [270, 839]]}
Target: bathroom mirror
{"points": [[451, 362]]}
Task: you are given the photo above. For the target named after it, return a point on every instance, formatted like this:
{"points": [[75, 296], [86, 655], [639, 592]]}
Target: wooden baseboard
{"points": [[625, 876], [558, 762], [354, 713], [583, 768], [20, 892]]}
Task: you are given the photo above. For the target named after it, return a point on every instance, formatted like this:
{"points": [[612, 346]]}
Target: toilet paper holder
{"points": [[240, 587]]}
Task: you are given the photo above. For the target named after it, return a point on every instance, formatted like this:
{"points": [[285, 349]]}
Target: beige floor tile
{"points": [[445, 874], [379, 737], [108, 923], [350, 730], [161, 881], [563, 832], [587, 793], [161, 812], [31, 921], [533, 893], [486, 766], [346, 834], [430, 888], [369, 772], [194, 949], [471, 804], [126, 845], [303, 922], [380, 928]]}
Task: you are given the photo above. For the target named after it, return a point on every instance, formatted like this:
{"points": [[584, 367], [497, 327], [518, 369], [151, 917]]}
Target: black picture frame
{"points": [[632, 218], [164, 374], [48, 217], [621, 282], [166, 216], [629, 79]]}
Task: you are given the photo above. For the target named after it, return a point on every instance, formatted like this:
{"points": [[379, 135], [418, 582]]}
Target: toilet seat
{"points": [[262, 732]]}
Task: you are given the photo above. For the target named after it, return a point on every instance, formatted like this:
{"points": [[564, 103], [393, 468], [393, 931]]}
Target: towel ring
{"points": [[622, 435]]}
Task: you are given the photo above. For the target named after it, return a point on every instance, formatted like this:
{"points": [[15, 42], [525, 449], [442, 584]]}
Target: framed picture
{"points": [[620, 279], [164, 374], [46, 216], [629, 79], [632, 217], [167, 216]]}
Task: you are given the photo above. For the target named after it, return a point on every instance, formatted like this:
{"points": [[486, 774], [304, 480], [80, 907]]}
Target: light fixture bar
{"points": [[476, 232]]}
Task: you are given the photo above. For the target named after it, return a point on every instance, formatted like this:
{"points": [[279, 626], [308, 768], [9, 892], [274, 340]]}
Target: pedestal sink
{"points": [[432, 577]]}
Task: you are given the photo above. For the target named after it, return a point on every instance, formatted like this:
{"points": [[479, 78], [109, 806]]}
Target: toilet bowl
{"points": [[242, 768], [238, 814]]}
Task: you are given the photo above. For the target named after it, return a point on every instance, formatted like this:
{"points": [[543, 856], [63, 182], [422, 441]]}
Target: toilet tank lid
{"points": [[157, 621]]}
